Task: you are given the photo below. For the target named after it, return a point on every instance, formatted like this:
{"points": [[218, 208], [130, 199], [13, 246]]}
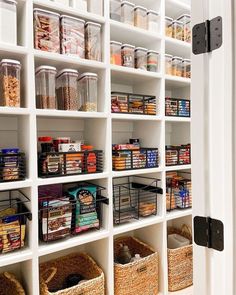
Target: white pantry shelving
{"points": [[21, 127]]}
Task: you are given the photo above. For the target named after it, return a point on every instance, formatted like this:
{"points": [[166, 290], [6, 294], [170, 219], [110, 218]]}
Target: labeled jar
{"points": [[8, 21], [95, 6], [168, 64], [115, 53], [177, 28], [168, 26], [88, 92], [72, 36], [115, 10], [45, 87], [93, 43], [127, 13], [66, 86], [10, 71], [153, 61], [140, 17], [46, 30], [153, 20], [186, 20], [127, 55], [141, 58], [177, 66], [186, 68]]}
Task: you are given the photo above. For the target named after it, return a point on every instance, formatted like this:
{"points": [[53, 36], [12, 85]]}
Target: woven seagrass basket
{"points": [[180, 262], [140, 277], [54, 273], [9, 285]]}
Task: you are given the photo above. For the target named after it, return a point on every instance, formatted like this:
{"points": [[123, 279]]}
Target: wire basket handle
{"points": [[51, 276]]}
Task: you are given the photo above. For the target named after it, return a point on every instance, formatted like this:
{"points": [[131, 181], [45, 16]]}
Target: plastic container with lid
{"points": [[95, 6], [168, 26], [153, 20], [62, 2], [46, 30], [140, 17], [127, 12], [141, 58], [93, 41], [72, 36], [168, 64], [8, 21], [127, 55], [177, 28], [177, 66], [66, 86], [115, 53], [10, 83], [115, 10], [45, 87], [153, 61], [186, 20], [186, 68], [88, 92], [81, 5]]}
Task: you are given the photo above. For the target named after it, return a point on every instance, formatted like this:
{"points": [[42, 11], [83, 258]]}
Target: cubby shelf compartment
{"points": [[176, 168], [178, 213], [177, 47], [15, 257], [69, 114], [177, 119], [174, 81]]}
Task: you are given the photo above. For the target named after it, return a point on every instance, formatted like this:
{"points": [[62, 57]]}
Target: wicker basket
{"points": [[140, 277], [53, 274], [9, 285], [180, 262]]}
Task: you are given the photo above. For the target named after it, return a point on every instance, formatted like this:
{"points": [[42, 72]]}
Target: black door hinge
{"points": [[207, 36], [209, 233]]}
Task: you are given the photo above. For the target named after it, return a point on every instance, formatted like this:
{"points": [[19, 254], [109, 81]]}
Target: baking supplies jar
{"points": [[10, 83], [168, 26], [140, 17], [88, 92], [46, 30], [66, 86], [152, 61], [95, 6], [93, 43], [127, 54], [81, 5], [45, 87], [177, 30], [72, 36], [8, 21], [168, 64], [186, 19], [177, 66], [127, 12], [141, 58], [186, 68], [115, 10], [115, 53], [153, 20]]}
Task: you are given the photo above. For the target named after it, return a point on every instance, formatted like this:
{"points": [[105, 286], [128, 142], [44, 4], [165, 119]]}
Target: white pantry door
{"points": [[213, 148]]}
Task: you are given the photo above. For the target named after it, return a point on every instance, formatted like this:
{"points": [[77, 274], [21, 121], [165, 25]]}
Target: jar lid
{"points": [[141, 48], [128, 3], [153, 51], [45, 138], [11, 61], [153, 12], [169, 18], [140, 7], [71, 71], [186, 60], [94, 24], [116, 42], [177, 57], [72, 17], [40, 68], [168, 55], [178, 22], [184, 15], [88, 74], [127, 45], [46, 11]]}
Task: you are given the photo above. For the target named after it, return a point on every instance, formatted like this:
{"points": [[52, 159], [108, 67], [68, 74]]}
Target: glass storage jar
{"points": [[81, 5], [66, 86], [168, 25], [168, 64], [127, 55], [115, 53], [8, 21], [88, 92], [45, 87], [177, 66], [72, 36], [10, 83], [93, 43], [153, 20], [46, 30], [186, 68], [127, 12], [186, 20], [95, 6], [141, 58], [140, 17], [177, 28], [152, 61], [115, 10]]}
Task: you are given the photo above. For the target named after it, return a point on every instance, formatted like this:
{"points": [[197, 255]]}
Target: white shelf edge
{"points": [[115, 116], [177, 168], [177, 79], [136, 171], [15, 257], [14, 111], [17, 49], [178, 214], [15, 185], [70, 114], [177, 119], [137, 72], [177, 42]]}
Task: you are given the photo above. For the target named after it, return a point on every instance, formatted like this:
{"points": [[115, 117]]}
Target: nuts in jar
{"points": [[127, 54], [88, 92]]}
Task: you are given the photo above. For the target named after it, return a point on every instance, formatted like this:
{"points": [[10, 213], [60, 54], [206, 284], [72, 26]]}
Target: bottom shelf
{"points": [[187, 291]]}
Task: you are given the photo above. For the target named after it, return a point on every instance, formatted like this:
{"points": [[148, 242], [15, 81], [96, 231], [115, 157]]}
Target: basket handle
{"points": [[51, 276], [186, 229]]}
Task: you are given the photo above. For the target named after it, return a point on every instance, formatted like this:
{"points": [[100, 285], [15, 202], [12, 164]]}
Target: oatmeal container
{"points": [[95, 6], [140, 17], [8, 21], [153, 20], [186, 20], [93, 42], [72, 36], [168, 64], [88, 92], [127, 55], [10, 83], [46, 30], [168, 26], [115, 10], [66, 87], [177, 66], [127, 13], [115, 53], [153, 61], [141, 58], [45, 87], [186, 68], [177, 30]]}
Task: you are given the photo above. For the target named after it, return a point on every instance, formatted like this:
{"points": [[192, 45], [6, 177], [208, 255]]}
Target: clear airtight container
{"points": [[115, 10], [81, 5], [186, 68], [72, 36], [153, 61], [177, 66], [140, 17], [88, 92], [8, 21], [127, 12], [186, 20], [45, 87], [168, 64], [93, 41], [168, 25], [95, 6], [66, 86], [10, 83], [127, 55], [177, 27], [141, 58], [62, 2], [153, 20], [115, 53]]}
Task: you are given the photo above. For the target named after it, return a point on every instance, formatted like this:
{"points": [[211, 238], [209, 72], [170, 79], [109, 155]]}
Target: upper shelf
{"points": [[177, 47], [174, 8], [177, 82]]}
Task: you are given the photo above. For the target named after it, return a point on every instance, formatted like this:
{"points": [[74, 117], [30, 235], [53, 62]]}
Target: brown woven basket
{"points": [[180, 262], [140, 277], [53, 274], [9, 285]]}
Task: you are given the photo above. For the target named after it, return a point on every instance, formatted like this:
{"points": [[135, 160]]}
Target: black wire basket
{"points": [[175, 107], [12, 167], [178, 155]]}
